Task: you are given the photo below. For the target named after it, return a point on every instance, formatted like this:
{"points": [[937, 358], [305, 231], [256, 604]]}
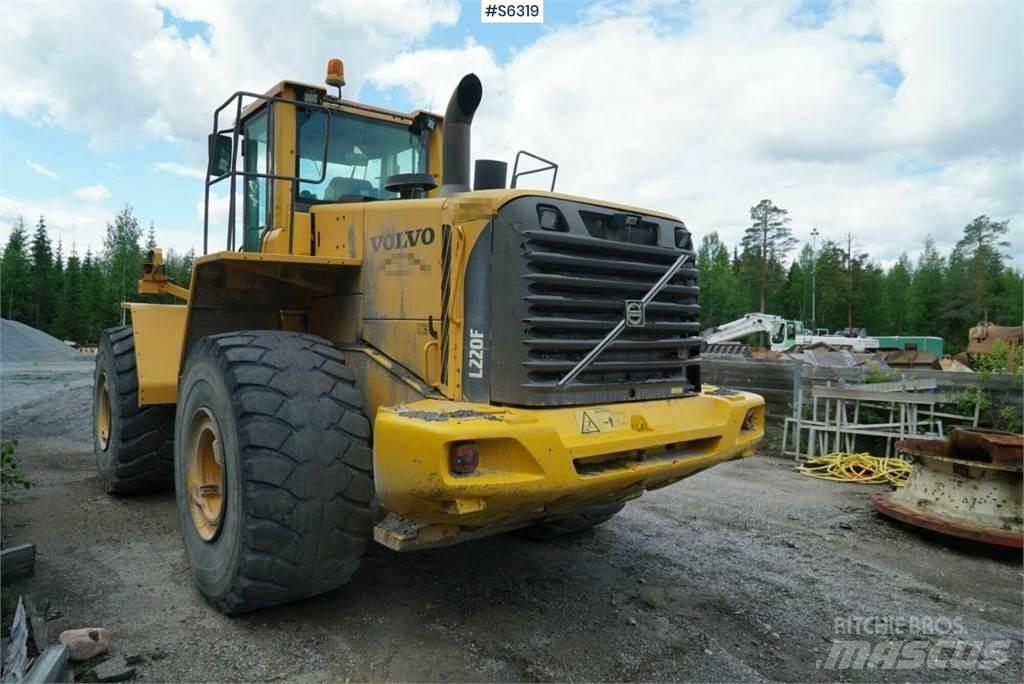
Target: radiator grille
{"points": [[576, 292]]}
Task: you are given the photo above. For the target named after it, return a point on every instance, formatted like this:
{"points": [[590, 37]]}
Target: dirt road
{"points": [[737, 574]]}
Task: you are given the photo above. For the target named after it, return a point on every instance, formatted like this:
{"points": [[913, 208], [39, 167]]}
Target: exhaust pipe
{"points": [[458, 120]]}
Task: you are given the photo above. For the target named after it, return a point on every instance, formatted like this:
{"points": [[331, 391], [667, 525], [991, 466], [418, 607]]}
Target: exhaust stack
{"points": [[458, 120]]}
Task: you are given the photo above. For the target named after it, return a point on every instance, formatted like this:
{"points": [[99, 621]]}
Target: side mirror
{"points": [[220, 155]]}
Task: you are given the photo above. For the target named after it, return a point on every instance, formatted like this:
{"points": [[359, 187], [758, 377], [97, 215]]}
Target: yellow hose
{"points": [[863, 468]]}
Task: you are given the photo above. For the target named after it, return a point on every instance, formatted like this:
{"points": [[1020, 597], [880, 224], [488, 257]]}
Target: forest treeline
{"points": [[936, 294], [74, 296]]}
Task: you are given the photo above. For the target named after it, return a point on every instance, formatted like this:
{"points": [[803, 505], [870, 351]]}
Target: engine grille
{"points": [[559, 292], [578, 287]]}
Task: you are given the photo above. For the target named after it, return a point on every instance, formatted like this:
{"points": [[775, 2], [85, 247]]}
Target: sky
{"points": [[889, 121]]}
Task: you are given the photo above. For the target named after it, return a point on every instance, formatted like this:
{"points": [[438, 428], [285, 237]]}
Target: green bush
{"points": [[11, 477], [875, 374]]}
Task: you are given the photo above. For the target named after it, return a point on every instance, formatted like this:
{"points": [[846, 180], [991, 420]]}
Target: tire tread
{"points": [[143, 444], [298, 499]]}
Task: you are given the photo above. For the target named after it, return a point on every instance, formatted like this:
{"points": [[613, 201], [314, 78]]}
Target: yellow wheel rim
{"points": [[102, 414], [204, 474]]}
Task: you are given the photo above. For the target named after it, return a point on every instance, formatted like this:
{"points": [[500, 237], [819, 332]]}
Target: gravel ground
{"points": [[738, 574]]}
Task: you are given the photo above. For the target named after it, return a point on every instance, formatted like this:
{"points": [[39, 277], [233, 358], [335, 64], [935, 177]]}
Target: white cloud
{"points": [[83, 225], [701, 109], [135, 77], [705, 111], [92, 193], [176, 169], [40, 169]]}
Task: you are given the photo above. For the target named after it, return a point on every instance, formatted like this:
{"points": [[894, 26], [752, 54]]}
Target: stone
{"points": [[85, 643], [113, 670]]}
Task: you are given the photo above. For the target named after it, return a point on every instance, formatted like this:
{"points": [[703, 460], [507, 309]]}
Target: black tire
{"points": [[298, 505], [137, 452], [571, 524]]}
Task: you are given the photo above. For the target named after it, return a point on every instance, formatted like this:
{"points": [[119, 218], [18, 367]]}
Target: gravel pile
{"points": [[20, 343]]}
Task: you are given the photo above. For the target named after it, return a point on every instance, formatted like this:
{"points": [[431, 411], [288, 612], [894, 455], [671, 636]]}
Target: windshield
{"points": [[361, 154]]}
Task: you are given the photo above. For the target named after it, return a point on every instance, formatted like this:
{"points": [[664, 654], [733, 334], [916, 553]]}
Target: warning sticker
{"points": [[593, 420]]}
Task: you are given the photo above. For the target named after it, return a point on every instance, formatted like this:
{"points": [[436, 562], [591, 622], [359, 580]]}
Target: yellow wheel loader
{"points": [[383, 353]]}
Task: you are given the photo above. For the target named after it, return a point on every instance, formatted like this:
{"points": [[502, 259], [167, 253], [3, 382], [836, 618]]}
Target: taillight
{"points": [[464, 458]]}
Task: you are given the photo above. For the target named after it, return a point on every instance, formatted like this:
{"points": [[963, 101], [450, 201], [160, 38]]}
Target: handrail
{"points": [[232, 174], [540, 169]]}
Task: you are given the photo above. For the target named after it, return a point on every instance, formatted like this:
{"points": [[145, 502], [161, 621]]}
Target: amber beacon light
{"points": [[335, 73]]}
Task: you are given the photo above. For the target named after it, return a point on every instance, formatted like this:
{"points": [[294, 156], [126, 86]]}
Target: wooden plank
{"points": [[37, 620]]}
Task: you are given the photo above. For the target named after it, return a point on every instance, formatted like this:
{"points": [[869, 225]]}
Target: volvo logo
{"points": [[636, 313]]}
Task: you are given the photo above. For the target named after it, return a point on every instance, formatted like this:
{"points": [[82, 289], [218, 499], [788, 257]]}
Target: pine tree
{"points": [[42, 278], [1008, 298], [897, 297], [927, 292], [70, 320], [94, 316], [765, 245], [151, 237], [16, 302], [831, 286], [982, 250]]}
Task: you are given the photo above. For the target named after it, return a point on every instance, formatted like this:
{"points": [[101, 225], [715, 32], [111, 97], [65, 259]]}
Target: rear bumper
{"points": [[539, 462]]}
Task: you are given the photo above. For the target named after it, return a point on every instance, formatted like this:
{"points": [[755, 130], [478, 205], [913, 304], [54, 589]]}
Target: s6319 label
{"points": [[511, 12]]}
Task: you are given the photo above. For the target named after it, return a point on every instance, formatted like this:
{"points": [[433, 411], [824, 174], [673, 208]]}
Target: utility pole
{"points": [[814, 279], [849, 282]]}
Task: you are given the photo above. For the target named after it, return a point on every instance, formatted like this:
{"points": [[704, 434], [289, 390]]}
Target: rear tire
{"points": [[296, 506], [571, 524], [134, 445]]}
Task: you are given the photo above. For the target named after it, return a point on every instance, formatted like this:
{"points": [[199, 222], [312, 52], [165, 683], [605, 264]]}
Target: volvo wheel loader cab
{"points": [[383, 353]]}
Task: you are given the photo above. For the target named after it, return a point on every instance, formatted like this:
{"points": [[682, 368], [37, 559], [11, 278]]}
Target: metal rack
{"points": [[913, 409]]}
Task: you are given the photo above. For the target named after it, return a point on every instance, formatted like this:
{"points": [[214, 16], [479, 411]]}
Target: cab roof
{"points": [[278, 90]]}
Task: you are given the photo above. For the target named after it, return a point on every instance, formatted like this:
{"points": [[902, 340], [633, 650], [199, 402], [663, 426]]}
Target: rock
{"points": [[134, 658], [709, 651], [845, 525], [85, 643], [113, 670], [631, 622]]}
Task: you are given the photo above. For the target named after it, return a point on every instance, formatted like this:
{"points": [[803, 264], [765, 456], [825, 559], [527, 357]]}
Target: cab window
{"points": [[257, 211], [361, 154]]}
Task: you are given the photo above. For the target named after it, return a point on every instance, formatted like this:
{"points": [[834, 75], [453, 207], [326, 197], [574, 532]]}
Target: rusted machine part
{"points": [[982, 337], [992, 446], [968, 499]]}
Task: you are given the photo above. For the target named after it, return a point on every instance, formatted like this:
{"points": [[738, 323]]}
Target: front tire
{"points": [[571, 524], [273, 468], [133, 444]]}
